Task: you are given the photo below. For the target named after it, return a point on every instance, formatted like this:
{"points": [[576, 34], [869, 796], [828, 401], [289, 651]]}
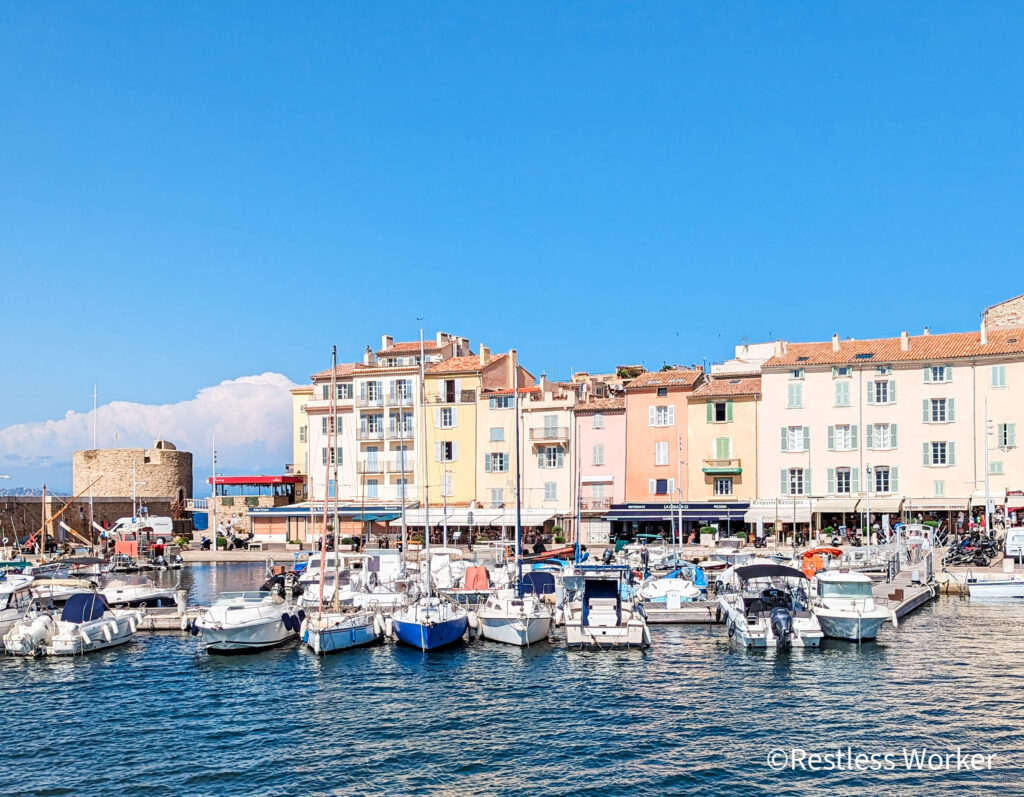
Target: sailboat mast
{"points": [[92, 509], [519, 503], [426, 487], [333, 428]]}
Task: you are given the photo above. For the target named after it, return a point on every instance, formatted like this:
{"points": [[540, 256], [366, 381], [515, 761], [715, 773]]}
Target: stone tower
{"points": [[160, 472]]}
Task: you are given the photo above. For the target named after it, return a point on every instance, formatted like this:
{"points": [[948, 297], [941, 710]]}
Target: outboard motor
{"points": [[782, 627]]}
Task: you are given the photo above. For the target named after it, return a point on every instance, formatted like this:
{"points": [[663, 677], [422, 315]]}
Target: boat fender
{"points": [[194, 628], [301, 615], [378, 625], [296, 623], [558, 617], [718, 614], [86, 639], [302, 630], [647, 636], [287, 620], [132, 623], [389, 627], [895, 619], [474, 621], [184, 622], [316, 644]]}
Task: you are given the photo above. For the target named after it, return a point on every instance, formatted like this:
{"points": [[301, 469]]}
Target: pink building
{"points": [[601, 457]]}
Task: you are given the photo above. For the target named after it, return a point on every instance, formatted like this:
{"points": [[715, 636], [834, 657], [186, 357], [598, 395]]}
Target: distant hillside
{"points": [[29, 492]]}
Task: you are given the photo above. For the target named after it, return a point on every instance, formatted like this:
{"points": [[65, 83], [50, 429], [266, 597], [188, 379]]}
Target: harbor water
{"points": [[692, 715]]}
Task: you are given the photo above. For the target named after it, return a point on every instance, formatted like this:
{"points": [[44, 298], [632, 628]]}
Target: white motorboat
{"points": [[248, 621], [513, 619], [140, 593], [55, 591], [600, 618], [765, 605], [845, 606], [15, 599], [86, 624], [998, 589]]}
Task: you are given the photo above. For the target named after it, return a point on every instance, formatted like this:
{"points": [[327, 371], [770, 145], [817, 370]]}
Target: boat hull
{"points": [[851, 628], [1001, 590], [522, 631], [629, 635], [266, 633], [431, 635], [332, 637]]}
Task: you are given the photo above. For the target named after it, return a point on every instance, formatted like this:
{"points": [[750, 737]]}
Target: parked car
{"points": [[1014, 545]]}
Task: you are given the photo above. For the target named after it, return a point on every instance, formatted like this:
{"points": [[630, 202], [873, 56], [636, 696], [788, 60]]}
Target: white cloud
{"points": [[250, 416]]}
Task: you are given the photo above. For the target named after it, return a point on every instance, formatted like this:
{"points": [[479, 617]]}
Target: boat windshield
{"points": [[844, 589]]}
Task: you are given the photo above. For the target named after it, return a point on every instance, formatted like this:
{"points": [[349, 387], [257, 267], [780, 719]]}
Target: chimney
{"points": [[441, 338], [904, 341], [485, 355], [368, 357], [385, 342], [543, 384], [779, 349], [984, 332], [513, 363], [927, 331], [835, 342]]}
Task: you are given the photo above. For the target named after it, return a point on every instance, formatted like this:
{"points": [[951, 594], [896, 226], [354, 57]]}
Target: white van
{"points": [[155, 526], [1014, 546]]}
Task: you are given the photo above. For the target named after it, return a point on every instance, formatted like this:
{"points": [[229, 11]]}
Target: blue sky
{"points": [[195, 192]]}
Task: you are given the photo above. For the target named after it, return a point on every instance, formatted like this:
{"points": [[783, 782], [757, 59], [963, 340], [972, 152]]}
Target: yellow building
{"points": [[722, 417], [300, 428]]}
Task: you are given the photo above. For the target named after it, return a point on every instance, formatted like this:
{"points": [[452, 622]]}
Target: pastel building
{"points": [[548, 439], [600, 456]]}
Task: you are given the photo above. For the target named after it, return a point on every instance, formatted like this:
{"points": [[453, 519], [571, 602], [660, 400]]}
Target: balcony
{"points": [[595, 504], [554, 433], [401, 432], [453, 397], [370, 466], [398, 400], [197, 504], [369, 434], [370, 401], [722, 467]]}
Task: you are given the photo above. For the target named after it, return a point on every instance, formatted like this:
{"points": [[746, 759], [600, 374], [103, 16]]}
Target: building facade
{"points": [[600, 456]]}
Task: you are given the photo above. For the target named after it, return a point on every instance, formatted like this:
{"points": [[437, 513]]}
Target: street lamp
{"points": [[867, 502]]}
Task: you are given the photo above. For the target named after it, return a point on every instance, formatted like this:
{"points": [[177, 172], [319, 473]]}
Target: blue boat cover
{"points": [[84, 606], [538, 583]]}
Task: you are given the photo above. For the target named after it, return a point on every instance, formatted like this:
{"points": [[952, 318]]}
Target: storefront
{"points": [[947, 513], [628, 520], [779, 515]]}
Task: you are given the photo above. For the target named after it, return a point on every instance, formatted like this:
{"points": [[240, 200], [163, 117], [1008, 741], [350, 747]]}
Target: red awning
{"points": [[259, 480]]}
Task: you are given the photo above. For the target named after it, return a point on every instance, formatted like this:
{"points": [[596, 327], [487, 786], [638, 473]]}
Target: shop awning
{"points": [[836, 505], [478, 517], [879, 505], [911, 505], [782, 510], [695, 511], [997, 497]]}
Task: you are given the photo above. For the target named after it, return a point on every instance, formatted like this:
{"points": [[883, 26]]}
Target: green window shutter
{"points": [[560, 459], [721, 448], [540, 460], [853, 436], [807, 481], [784, 482], [892, 391], [1011, 434], [927, 373], [785, 439], [830, 479], [835, 372], [871, 392], [926, 411], [926, 454], [869, 436], [951, 453], [855, 480], [950, 410], [728, 410], [893, 442], [894, 479], [831, 438], [487, 463], [807, 438], [949, 372], [711, 411]]}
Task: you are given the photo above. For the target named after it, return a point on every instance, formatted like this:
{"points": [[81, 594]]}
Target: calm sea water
{"points": [[690, 716]]}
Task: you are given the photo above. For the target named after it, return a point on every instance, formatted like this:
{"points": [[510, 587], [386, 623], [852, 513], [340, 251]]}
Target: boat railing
{"points": [[249, 596]]}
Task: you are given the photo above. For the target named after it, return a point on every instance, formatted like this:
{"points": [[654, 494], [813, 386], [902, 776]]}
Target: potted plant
{"points": [[293, 545], [222, 543], [347, 544], [557, 534], [182, 542]]}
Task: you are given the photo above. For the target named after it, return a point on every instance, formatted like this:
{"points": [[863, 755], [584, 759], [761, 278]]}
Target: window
{"points": [[882, 392], [796, 373], [661, 486], [598, 422], [496, 463], [497, 498], [723, 486], [335, 456], [501, 402], [401, 425], [794, 395], [371, 488], [998, 376], [938, 373], [302, 434], [447, 417], [1006, 435], [497, 434], [661, 415], [446, 451], [373, 391], [940, 488], [723, 448], [843, 481], [325, 392], [938, 454], [796, 481], [883, 370], [597, 491], [662, 391], [661, 453], [344, 390], [882, 436], [995, 468], [721, 412], [551, 457], [447, 484], [402, 488], [402, 459], [795, 438], [842, 372], [597, 454], [842, 438], [323, 425], [937, 412], [883, 480], [403, 390], [550, 491], [842, 394]]}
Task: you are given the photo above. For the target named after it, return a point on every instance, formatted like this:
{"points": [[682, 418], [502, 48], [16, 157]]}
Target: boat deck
{"points": [[695, 612], [902, 594]]}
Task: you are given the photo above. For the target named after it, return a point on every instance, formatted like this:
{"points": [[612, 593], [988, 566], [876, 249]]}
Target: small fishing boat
{"points": [[601, 618], [141, 593], [765, 605], [997, 589], [333, 631], [248, 621], [845, 607], [86, 624]]}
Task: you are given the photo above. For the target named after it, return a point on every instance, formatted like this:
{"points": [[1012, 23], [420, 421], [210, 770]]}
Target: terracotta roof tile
{"points": [[921, 348], [508, 391], [601, 405], [728, 386], [410, 347], [463, 365], [342, 369], [677, 377]]}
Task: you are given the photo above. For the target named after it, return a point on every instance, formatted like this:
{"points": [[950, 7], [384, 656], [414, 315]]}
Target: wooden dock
{"points": [[902, 594], [168, 618]]}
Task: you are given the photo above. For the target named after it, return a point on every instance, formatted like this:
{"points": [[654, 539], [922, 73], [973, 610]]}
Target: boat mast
{"points": [[519, 503], [213, 488], [92, 510], [403, 449], [332, 429], [426, 486]]}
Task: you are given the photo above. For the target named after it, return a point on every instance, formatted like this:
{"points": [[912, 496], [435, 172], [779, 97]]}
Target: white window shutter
{"points": [[831, 439], [785, 439], [671, 415], [894, 479], [671, 486], [951, 410], [651, 415], [926, 454], [458, 389], [855, 480], [893, 441], [784, 482], [892, 391], [951, 453], [853, 436], [807, 438], [926, 410], [871, 392], [437, 418], [455, 416], [927, 373], [487, 463], [1011, 435], [830, 481], [869, 435], [651, 486], [807, 481], [455, 451], [949, 372], [437, 452], [540, 459]]}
